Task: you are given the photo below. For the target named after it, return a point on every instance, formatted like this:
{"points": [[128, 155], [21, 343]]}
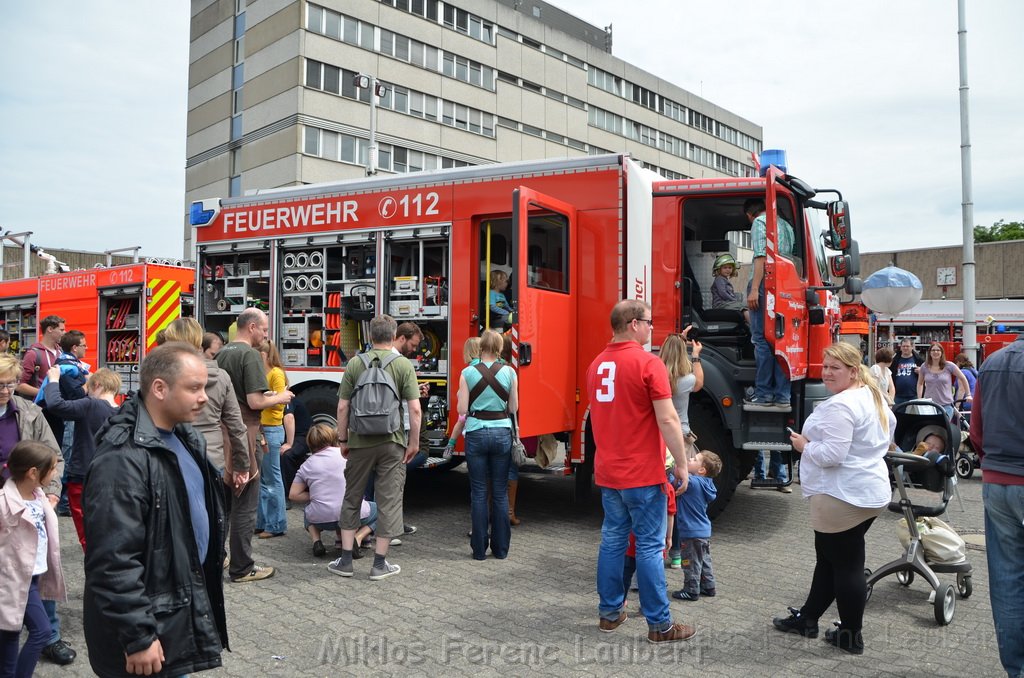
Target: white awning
{"points": [[1005, 311]]}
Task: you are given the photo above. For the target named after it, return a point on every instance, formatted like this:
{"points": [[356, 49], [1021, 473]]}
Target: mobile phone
{"points": [[791, 431]]}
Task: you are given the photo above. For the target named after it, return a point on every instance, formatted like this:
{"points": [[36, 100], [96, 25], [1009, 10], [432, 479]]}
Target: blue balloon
{"points": [[892, 276]]}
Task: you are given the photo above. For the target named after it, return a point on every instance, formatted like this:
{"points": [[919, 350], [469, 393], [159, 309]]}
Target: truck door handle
{"points": [[525, 354], [780, 325]]}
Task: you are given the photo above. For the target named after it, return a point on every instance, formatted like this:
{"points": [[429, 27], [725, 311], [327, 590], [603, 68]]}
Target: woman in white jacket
{"points": [[843, 473]]}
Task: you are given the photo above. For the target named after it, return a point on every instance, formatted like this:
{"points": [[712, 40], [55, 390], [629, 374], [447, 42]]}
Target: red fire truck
{"points": [[120, 310], [576, 235]]}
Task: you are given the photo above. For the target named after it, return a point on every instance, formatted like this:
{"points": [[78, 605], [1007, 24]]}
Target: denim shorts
{"points": [[333, 526]]}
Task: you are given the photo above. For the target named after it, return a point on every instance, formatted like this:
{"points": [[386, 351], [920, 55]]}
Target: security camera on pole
{"points": [[363, 81]]}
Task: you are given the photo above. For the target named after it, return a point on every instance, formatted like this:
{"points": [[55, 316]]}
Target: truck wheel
{"points": [[322, 403], [712, 435], [746, 464]]}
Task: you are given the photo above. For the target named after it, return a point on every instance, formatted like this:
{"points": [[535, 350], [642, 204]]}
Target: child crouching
{"points": [[694, 528], [321, 482]]}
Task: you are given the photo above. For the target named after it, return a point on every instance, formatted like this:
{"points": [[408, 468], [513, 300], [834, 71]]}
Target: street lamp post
{"points": [[377, 89]]}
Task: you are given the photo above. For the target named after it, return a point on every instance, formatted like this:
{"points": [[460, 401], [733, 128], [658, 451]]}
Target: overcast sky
{"points": [[862, 95]]}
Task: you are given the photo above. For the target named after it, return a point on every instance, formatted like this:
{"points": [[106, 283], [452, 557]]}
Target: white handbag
{"points": [[941, 543]]}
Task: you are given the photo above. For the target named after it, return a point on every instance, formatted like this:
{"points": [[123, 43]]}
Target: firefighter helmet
{"points": [[725, 260]]}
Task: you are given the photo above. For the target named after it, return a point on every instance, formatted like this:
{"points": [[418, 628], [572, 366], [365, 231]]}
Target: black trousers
{"points": [[290, 463], [839, 576]]}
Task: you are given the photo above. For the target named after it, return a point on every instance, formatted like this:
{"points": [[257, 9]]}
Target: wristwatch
{"points": [[694, 360]]}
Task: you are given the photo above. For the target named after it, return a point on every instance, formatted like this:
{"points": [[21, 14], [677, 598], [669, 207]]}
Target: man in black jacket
{"points": [[154, 599]]}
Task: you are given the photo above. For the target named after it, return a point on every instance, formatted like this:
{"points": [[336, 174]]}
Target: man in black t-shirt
{"points": [[294, 451], [904, 372]]}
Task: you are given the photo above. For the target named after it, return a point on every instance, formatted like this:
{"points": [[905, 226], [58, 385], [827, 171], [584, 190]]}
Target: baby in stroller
{"points": [[923, 430]]}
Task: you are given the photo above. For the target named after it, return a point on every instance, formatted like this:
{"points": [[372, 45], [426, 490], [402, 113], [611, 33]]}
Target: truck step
{"points": [[766, 484], [748, 407], [771, 447]]}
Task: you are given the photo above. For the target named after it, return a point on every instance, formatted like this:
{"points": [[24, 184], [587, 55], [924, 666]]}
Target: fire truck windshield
{"points": [[813, 218]]}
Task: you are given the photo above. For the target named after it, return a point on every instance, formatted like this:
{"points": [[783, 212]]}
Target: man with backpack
{"points": [[372, 437], [38, 360]]}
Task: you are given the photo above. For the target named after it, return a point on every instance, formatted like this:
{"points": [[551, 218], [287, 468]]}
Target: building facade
{"points": [[274, 99], [998, 274]]}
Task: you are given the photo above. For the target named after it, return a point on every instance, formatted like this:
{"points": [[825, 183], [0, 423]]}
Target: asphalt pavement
{"points": [[536, 612]]}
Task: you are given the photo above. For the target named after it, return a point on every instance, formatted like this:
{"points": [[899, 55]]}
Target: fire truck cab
{"points": [[575, 236]]}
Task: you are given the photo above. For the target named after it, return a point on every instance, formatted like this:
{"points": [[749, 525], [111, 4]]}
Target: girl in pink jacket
{"points": [[29, 556]]}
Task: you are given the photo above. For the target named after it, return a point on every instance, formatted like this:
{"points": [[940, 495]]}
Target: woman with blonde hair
{"points": [[488, 395], [685, 375], [220, 420], [843, 473], [271, 520]]}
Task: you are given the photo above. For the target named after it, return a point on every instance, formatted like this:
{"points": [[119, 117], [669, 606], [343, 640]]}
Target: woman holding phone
{"points": [[844, 475]]}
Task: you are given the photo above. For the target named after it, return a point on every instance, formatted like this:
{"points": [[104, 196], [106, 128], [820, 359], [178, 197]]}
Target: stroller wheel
{"points": [[905, 577], [964, 466], [964, 586], [945, 604]]}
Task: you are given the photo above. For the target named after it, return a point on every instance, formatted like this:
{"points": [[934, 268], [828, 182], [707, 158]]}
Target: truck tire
{"points": [[712, 435], [322, 403]]}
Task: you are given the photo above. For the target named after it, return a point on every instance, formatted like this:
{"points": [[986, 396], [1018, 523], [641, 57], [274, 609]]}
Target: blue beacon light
{"points": [[203, 212], [773, 156]]}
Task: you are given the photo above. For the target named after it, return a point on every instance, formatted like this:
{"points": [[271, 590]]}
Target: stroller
{"points": [[966, 456], [934, 472]]}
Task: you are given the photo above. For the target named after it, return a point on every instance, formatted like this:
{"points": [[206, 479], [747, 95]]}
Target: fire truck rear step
{"points": [[771, 447], [767, 484]]}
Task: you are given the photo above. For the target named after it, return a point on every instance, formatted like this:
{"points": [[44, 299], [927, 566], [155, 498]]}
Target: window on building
{"points": [[311, 145], [314, 18]]}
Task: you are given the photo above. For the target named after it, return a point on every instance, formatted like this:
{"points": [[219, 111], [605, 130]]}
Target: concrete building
{"points": [[274, 99], [998, 274]]}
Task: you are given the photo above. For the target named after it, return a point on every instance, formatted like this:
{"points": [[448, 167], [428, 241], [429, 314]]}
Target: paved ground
{"points": [[446, 614]]}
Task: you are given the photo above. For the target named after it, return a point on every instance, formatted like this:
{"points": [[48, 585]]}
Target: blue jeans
{"points": [[775, 465], [51, 611], [644, 512], [270, 516], [770, 382], [488, 456], [1004, 546], [14, 663]]}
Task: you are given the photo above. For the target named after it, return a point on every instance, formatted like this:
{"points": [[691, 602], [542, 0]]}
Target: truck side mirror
{"points": [[854, 286], [854, 253], [840, 265], [838, 237]]}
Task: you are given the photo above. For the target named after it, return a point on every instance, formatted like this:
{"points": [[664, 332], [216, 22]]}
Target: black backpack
{"points": [[376, 406]]}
